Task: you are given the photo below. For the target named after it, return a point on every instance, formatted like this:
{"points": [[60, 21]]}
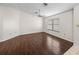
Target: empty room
{"points": [[39, 28]]}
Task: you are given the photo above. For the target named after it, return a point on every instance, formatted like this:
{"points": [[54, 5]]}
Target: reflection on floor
{"points": [[35, 44]]}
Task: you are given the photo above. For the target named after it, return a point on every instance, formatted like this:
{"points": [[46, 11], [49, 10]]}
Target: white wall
{"points": [[1, 13], [30, 23], [76, 25], [65, 25], [14, 22], [11, 22]]}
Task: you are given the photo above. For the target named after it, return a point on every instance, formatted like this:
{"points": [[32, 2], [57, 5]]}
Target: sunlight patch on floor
{"points": [[74, 50], [53, 45]]}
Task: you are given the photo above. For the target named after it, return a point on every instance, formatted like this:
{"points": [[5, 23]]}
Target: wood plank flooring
{"points": [[35, 44]]}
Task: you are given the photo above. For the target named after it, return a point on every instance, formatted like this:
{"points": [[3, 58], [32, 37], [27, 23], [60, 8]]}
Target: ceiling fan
{"points": [[39, 10], [39, 15]]}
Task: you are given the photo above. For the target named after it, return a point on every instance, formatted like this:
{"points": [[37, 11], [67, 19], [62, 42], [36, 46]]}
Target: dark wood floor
{"points": [[35, 44]]}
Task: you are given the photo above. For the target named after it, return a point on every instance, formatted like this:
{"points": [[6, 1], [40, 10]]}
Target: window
{"points": [[53, 25]]}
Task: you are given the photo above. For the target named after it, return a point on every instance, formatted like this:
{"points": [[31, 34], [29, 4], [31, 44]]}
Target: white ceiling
{"points": [[51, 9]]}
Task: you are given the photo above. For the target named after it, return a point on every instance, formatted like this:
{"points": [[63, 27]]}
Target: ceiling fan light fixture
{"points": [[38, 13], [45, 4]]}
